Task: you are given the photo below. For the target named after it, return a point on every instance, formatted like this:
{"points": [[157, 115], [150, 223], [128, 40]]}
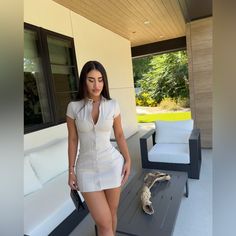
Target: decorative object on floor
{"points": [[149, 180]]}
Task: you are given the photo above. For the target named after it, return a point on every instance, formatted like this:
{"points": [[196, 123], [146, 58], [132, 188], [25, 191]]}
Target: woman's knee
{"points": [[114, 211], [104, 223]]}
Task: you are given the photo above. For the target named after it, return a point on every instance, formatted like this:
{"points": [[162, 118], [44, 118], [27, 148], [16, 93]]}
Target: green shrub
{"points": [[168, 104], [144, 99], [183, 102], [139, 102]]}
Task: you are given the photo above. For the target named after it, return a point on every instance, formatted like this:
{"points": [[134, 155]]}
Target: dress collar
{"points": [[92, 101]]}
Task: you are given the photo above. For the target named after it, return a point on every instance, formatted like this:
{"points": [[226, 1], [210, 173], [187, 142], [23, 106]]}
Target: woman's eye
{"points": [[100, 80]]}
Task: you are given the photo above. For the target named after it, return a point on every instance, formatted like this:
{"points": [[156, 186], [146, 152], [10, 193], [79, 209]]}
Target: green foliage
{"points": [[169, 104], [166, 77], [183, 102], [144, 99], [174, 104], [140, 67]]}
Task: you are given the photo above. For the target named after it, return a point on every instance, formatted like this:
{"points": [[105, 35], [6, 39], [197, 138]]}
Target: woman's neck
{"points": [[95, 99]]}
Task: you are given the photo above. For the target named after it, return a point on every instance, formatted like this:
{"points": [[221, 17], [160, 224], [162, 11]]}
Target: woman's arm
{"points": [[72, 150], [120, 139]]}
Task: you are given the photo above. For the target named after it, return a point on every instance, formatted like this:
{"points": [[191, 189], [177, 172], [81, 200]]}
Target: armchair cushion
{"points": [[173, 131], [169, 153]]}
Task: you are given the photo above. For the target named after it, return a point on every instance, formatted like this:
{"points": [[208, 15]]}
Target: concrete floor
{"points": [[195, 213]]}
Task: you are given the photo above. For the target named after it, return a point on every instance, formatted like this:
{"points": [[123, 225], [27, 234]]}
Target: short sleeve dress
{"points": [[99, 165]]}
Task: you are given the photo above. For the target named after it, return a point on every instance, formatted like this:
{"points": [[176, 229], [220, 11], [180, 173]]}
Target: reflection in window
{"points": [[63, 73], [50, 77], [36, 107]]}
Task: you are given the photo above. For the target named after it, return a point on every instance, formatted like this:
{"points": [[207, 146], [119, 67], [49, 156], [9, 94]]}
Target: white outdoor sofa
{"points": [[48, 208]]}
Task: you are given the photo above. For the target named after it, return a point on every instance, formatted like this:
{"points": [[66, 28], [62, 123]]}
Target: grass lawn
{"points": [[164, 116]]}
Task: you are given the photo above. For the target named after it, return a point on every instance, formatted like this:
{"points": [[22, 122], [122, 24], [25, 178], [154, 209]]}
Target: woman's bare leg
{"points": [[113, 197], [100, 211]]}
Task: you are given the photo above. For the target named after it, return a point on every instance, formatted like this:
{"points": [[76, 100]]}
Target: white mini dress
{"points": [[99, 164]]}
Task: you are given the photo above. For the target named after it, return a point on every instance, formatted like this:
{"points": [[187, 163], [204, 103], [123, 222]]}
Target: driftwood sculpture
{"points": [[149, 180]]}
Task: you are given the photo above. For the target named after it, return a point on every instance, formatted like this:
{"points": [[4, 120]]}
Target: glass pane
{"points": [[59, 51], [62, 100], [36, 107], [64, 78]]}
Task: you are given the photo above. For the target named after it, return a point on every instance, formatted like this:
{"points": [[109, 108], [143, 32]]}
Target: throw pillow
{"points": [[173, 131]]}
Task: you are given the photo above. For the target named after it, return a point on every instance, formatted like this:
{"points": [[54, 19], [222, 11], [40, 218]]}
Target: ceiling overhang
{"points": [[151, 26]]}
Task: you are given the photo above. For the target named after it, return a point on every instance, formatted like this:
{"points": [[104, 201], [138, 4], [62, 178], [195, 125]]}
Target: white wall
{"points": [[92, 42], [49, 15], [224, 117]]}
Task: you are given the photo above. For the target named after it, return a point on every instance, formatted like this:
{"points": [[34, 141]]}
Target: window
{"points": [[50, 77]]}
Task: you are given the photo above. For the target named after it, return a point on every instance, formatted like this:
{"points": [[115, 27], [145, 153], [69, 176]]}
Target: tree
{"points": [[166, 77], [140, 67]]}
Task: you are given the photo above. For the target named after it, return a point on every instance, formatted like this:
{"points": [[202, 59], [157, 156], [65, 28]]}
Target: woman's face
{"points": [[94, 82]]}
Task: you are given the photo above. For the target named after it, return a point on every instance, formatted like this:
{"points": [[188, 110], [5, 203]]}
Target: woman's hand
{"points": [[73, 181], [125, 172]]}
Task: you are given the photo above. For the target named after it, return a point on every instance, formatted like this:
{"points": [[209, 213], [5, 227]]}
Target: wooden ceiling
{"points": [[139, 21]]}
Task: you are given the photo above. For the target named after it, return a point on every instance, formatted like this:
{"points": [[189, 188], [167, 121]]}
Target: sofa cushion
{"points": [[50, 161], [169, 153], [44, 210], [173, 131], [31, 182]]}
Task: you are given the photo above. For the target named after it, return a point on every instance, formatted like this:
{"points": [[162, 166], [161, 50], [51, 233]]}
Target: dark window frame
{"points": [[47, 73]]}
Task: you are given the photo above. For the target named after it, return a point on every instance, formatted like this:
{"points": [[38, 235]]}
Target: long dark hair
{"points": [[88, 66]]}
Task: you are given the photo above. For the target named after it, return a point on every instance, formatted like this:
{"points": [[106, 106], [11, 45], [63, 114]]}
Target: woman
{"points": [[100, 169]]}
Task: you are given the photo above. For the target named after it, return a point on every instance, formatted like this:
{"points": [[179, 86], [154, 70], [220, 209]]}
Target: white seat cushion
{"points": [[31, 182], [45, 209], [169, 153], [51, 161], [173, 131]]}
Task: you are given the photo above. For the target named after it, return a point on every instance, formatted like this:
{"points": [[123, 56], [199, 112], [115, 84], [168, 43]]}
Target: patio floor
{"points": [[195, 213]]}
